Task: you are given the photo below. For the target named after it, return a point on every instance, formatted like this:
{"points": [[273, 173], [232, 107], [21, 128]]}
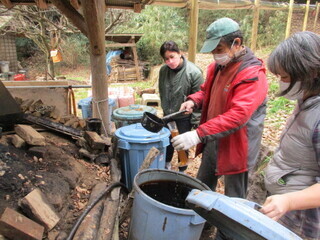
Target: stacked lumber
{"points": [[125, 70]]}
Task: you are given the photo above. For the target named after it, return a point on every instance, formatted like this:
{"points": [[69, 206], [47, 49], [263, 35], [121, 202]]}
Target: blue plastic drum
{"points": [[134, 143]]}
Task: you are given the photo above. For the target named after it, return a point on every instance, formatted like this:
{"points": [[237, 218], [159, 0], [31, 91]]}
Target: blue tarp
{"points": [[109, 57]]}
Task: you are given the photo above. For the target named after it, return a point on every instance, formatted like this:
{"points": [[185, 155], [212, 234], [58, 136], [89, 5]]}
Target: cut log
{"points": [[111, 206], [88, 229], [30, 135], [14, 225], [36, 206], [17, 141], [94, 140]]}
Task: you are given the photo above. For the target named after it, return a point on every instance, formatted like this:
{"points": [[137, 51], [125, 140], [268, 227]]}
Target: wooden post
{"points": [[135, 57], [255, 24], [316, 17], [193, 32], [94, 14], [288, 28], [305, 21]]}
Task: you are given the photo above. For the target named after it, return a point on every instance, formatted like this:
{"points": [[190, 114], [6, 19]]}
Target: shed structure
{"points": [[123, 41], [8, 50], [88, 16]]}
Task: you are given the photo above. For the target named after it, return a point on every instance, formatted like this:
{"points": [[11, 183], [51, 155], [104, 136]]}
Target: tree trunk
{"points": [[50, 68]]}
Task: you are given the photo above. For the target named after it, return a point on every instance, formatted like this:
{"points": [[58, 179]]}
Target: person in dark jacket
{"points": [[292, 177], [178, 78]]}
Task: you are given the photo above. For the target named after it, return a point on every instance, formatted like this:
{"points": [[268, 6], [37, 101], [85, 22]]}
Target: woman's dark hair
{"points": [[229, 38], [168, 46], [299, 57]]}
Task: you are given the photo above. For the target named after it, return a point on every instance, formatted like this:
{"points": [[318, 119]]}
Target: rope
{"points": [[97, 103]]}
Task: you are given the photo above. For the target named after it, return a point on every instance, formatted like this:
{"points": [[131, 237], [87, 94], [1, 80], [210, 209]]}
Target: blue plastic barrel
{"points": [[86, 107], [134, 143], [153, 219], [130, 114], [239, 218]]}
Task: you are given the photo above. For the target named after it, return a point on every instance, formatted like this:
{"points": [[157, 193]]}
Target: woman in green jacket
{"points": [[178, 78]]}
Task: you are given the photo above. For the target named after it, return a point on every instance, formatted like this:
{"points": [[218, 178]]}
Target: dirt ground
{"points": [[64, 178]]}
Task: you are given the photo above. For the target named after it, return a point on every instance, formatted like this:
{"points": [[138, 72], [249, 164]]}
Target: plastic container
{"points": [[19, 77], [131, 114], [237, 217], [134, 143], [86, 108], [153, 218], [4, 66], [124, 96]]}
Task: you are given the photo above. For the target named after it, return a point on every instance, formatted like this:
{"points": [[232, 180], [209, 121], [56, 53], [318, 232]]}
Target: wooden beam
{"points": [[71, 13], [288, 28], [7, 3], [136, 62], [171, 4], [137, 7], [94, 21], [216, 6], [35, 83], [193, 32], [94, 15], [119, 45], [316, 17], [255, 23], [305, 20], [75, 4], [42, 4]]}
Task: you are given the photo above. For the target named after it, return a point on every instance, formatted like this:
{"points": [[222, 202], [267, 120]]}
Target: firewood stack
{"points": [[39, 109], [93, 146], [124, 70]]}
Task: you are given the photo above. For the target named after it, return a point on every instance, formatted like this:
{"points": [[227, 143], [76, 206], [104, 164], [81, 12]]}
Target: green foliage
{"points": [[25, 48], [158, 24], [277, 105], [271, 27]]}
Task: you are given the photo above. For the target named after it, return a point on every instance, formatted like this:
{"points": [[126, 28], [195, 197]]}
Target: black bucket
{"points": [[94, 125], [154, 124]]}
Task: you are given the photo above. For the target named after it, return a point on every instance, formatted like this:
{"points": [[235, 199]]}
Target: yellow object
{"points": [[56, 55]]}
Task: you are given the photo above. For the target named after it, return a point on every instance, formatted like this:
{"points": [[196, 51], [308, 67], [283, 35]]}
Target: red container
{"points": [[19, 77]]}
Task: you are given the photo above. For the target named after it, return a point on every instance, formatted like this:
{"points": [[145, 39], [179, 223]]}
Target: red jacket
{"points": [[240, 127]]}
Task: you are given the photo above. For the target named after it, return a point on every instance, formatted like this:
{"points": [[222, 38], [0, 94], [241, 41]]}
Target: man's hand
{"points": [[186, 140], [188, 105]]}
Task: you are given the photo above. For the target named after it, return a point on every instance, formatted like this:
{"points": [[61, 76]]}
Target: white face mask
{"points": [[223, 58], [294, 93]]}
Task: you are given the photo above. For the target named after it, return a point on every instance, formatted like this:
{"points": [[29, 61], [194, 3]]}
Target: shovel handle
{"points": [[166, 118]]}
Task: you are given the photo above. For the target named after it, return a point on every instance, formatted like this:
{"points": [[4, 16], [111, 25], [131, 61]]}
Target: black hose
{"points": [[89, 207]]}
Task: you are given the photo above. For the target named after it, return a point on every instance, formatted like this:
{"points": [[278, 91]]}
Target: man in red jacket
{"points": [[233, 103]]}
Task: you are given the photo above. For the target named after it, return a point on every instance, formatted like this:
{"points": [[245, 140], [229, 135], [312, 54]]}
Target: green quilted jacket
{"points": [[175, 85]]}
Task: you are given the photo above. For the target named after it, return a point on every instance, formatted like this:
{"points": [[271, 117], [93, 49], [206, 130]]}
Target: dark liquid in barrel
{"points": [[171, 193]]}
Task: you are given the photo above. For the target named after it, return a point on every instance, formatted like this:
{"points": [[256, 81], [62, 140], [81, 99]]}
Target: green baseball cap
{"points": [[216, 30]]}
